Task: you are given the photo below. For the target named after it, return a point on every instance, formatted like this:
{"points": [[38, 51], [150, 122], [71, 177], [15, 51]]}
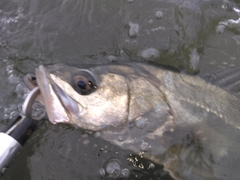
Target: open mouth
{"points": [[59, 106]]}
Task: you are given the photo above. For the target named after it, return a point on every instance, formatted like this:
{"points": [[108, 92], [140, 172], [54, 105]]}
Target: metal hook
{"points": [[27, 105]]}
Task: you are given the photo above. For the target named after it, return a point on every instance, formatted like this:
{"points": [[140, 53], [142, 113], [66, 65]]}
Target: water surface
{"points": [[194, 36]]}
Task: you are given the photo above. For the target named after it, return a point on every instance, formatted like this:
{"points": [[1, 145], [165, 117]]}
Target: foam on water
{"points": [[230, 23]]}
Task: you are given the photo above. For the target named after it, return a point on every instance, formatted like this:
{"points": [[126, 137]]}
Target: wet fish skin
{"points": [[117, 99], [192, 127]]}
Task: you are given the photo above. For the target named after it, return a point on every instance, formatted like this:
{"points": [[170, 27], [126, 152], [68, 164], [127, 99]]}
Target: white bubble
{"points": [[133, 29], [39, 111], [3, 170], [85, 135], [97, 134], [150, 53], [159, 14], [125, 173], [177, 28], [86, 142], [7, 111], [233, 23], [37, 105], [25, 95], [144, 146], [194, 59], [120, 138], [220, 28], [19, 89], [13, 79], [102, 172], [141, 122], [151, 166], [150, 21], [158, 28], [95, 145], [113, 168], [39, 114], [13, 107], [10, 72], [237, 40], [9, 67], [112, 58], [13, 114], [4, 60], [6, 117]]}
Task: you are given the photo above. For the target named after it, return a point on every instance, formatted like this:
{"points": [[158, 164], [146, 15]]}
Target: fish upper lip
{"points": [[59, 106]]}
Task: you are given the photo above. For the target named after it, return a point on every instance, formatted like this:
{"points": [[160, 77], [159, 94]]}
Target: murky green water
{"points": [[192, 35]]}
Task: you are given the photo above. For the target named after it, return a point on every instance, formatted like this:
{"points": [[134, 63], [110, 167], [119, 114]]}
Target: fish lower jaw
{"points": [[60, 119]]}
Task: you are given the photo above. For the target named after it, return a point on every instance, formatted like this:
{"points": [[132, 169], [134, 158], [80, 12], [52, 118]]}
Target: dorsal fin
{"points": [[228, 79]]}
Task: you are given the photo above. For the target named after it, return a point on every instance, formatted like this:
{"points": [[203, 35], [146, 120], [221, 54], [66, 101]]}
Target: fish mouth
{"points": [[59, 106]]}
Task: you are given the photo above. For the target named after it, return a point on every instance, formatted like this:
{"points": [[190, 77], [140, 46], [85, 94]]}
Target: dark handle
{"points": [[23, 129]]}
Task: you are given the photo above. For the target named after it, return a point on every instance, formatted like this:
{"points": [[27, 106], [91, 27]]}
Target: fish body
{"points": [[182, 122]]}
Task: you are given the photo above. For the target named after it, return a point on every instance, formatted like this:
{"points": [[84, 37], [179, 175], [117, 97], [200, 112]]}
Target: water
{"points": [[196, 36]]}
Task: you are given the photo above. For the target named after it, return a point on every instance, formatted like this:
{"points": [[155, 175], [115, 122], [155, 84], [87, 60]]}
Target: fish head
{"points": [[93, 98]]}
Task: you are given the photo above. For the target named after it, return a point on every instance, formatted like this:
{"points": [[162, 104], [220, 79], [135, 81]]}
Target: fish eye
{"points": [[84, 83]]}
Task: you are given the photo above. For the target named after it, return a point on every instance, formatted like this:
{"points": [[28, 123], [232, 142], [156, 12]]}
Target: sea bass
{"points": [[190, 126]]}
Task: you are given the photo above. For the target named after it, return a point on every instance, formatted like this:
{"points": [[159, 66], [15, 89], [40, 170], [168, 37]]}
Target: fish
{"points": [[189, 124]]}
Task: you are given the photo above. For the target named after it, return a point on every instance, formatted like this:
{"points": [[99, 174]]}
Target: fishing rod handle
{"points": [[13, 138]]}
